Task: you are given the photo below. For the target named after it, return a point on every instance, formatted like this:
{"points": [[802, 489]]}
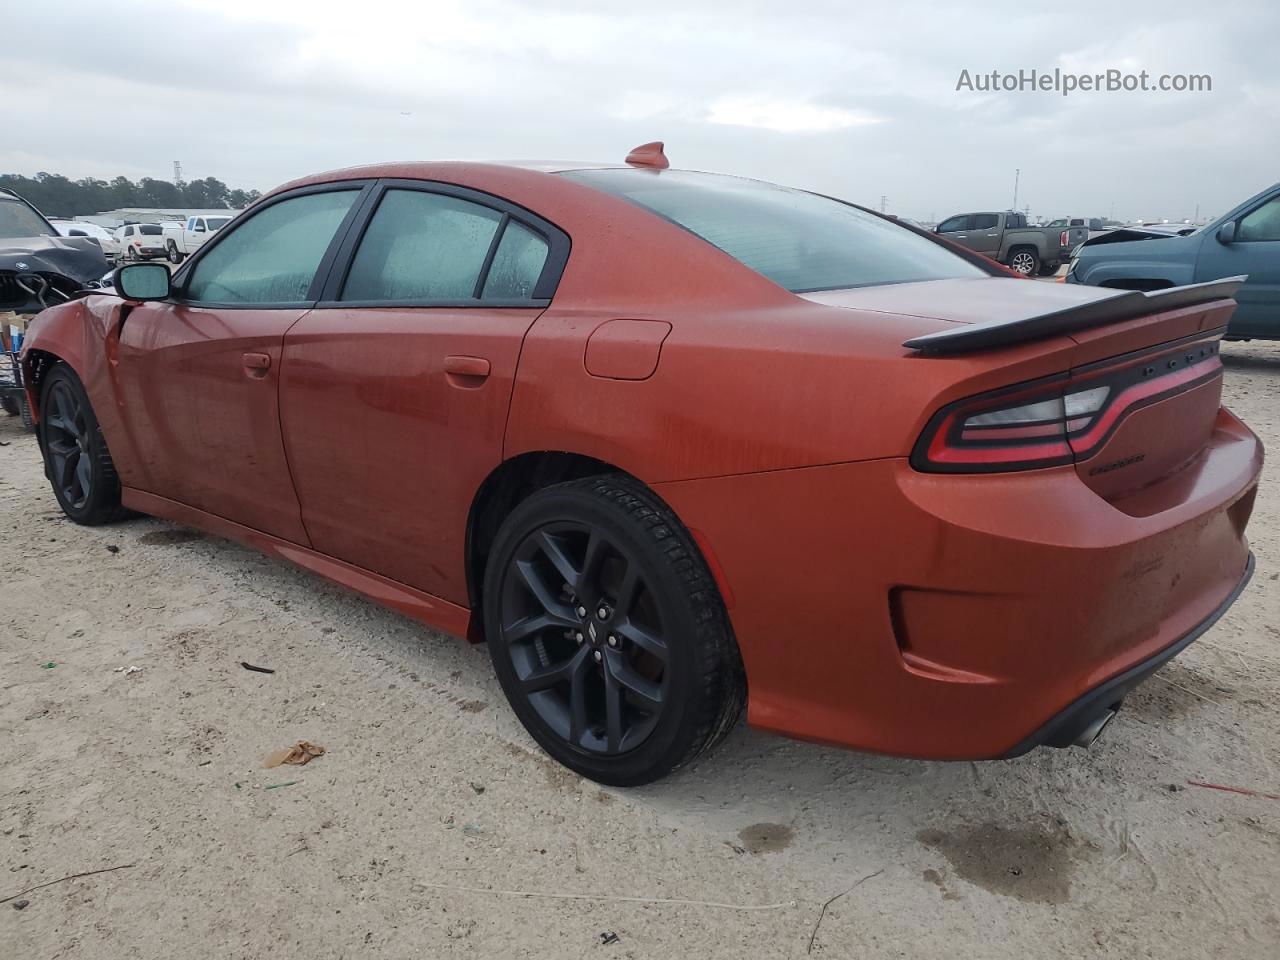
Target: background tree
{"points": [[55, 195]]}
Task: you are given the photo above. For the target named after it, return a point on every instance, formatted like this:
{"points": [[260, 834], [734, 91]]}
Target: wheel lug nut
{"points": [[581, 611], [578, 635], [612, 641], [598, 656], [603, 613]]}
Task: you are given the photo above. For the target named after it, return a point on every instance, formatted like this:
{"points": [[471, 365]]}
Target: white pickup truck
{"points": [[184, 237]]}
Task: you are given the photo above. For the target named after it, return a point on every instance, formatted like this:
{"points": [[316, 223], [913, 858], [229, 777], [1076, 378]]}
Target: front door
{"points": [[199, 374], [1256, 252], [396, 389]]}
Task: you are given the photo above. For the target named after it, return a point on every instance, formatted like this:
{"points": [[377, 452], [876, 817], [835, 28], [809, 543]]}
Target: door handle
{"points": [[256, 365], [460, 366]]}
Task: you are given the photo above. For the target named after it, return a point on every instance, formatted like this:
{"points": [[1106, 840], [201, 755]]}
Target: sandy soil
{"points": [[430, 793]]}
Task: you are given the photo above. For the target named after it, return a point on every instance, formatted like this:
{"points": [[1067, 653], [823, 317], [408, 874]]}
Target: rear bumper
{"points": [[1068, 726], [959, 616]]}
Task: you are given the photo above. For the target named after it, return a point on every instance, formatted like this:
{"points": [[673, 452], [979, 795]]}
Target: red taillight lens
{"points": [[1065, 238], [1057, 420]]}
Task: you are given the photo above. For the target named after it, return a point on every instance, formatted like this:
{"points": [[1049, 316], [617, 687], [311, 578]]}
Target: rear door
{"points": [[1256, 252], [198, 375], [395, 390], [984, 234]]}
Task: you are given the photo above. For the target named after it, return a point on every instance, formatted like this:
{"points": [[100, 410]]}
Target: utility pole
{"points": [[177, 171], [1016, 174], [883, 202]]}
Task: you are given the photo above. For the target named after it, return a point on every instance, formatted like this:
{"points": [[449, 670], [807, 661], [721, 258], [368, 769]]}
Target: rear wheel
{"points": [[607, 632], [1024, 261], [172, 253], [76, 459]]}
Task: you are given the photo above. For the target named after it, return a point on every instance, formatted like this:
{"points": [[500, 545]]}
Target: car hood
{"points": [[976, 300], [78, 258]]}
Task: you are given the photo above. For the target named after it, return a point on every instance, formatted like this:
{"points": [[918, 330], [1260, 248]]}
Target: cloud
{"points": [[848, 99], [785, 116]]}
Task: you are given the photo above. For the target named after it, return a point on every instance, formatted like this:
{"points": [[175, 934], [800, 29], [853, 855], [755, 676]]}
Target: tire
{"points": [[1047, 269], [607, 632], [24, 409], [76, 460], [1025, 261], [171, 253]]}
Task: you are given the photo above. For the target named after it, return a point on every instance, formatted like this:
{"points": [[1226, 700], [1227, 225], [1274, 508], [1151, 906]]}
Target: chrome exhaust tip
{"points": [[1094, 730]]}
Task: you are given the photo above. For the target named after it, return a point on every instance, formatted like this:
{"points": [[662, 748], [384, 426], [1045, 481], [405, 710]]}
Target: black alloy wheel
{"points": [[76, 459], [607, 632]]}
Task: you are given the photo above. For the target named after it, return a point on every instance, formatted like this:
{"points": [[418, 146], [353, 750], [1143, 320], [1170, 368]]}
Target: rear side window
{"points": [[423, 247], [273, 256], [517, 264], [150, 230], [987, 221]]}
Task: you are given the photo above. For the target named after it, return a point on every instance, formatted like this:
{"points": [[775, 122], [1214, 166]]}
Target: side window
{"points": [[517, 264], [954, 224], [272, 257], [986, 221], [198, 226], [1262, 224], [422, 246]]}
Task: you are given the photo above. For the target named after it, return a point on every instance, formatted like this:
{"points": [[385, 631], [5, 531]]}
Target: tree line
{"points": [[57, 196]]}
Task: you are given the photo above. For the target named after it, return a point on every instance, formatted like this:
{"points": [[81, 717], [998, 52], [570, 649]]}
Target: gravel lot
{"points": [[431, 798]]}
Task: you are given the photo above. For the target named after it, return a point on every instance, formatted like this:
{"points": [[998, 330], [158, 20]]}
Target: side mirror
{"points": [[1227, 233], [76, 233], [142, 281]]}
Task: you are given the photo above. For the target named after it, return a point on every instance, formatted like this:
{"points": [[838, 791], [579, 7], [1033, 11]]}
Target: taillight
{"points": [[1059, 419], [1065, 238]]}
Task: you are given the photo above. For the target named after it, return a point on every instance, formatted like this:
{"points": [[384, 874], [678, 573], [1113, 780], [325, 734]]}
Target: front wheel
{"points": [[76, 459], [1047, 269], [607, 631], [1025, 262]]}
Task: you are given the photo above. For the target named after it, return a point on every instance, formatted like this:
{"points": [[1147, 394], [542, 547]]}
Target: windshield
{"points": [[800, 241], [217, 223], [19, 220]]}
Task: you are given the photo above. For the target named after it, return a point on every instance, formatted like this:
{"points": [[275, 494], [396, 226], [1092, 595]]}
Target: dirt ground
{"points": [[431, 800]]}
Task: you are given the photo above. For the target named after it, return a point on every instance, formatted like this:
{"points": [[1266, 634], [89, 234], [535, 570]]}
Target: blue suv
{"points": [[1244, 241]]}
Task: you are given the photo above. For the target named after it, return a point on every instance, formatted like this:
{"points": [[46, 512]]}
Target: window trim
{"points": [[182, 276], [558, 246]]}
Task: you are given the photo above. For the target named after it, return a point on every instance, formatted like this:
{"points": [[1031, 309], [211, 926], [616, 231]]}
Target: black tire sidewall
{"points": [[670, 741]]}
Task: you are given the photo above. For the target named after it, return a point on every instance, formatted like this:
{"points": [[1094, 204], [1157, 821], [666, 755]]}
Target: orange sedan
{"points": [[673, 443]]}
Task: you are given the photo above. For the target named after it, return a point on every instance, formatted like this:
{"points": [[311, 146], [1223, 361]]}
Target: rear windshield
{"points": [[150, 229], [799, 240], [18, 220]]}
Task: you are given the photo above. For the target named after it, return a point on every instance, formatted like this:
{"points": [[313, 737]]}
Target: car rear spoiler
{"points": [[1125, 305]]}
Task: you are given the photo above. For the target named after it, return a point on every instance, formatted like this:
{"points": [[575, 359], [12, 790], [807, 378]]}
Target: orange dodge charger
{"points": [[674, 443]]}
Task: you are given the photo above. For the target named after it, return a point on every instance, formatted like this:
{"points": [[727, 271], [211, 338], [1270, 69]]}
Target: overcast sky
{"points": [[851, 99]]}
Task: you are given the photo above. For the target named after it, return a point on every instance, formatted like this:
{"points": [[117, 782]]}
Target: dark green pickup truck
{"points": [[1007, 238]]}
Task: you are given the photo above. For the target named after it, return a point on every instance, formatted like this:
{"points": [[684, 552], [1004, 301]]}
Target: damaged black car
{"points": [[39, 268]]}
